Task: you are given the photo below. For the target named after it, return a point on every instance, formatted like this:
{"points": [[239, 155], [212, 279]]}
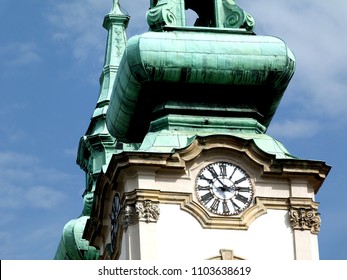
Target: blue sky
{"points": [[51, 56]]}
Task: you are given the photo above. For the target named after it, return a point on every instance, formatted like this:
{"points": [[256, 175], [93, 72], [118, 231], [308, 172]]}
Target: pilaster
{"points": [[305, 222], [140, 230]]}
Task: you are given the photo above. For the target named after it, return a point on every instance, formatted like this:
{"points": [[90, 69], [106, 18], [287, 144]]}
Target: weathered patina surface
{"points": [[162, 90], [205, 71]]}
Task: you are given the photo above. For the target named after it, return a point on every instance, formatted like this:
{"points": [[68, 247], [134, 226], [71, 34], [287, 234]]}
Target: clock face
{"points": [[116, 208], [224, 188]]}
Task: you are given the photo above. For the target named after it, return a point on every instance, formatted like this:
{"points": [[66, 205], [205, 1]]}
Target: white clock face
{"points": [[224, 188]]}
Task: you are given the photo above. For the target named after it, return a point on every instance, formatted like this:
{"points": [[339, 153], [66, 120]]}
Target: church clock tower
{"points": [[192, 174]]}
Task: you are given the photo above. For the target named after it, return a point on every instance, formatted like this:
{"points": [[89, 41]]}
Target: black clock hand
{"points": [[223, 185], [226, 188]]}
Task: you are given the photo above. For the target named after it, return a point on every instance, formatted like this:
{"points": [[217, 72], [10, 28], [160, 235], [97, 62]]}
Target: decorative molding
{"points": [[142, 211], [128, 216], [235, 17], [147, 211], [305, 219], [230, 15], [303, 213], [226, 255], [143, 205], [188, 203], [163, 13]]}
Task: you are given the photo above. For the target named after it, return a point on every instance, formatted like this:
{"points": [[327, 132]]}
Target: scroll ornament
{"points": [[305, 219], [163, 14], [235, 17]]}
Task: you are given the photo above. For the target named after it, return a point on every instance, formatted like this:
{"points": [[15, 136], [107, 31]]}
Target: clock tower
{"points": [[191, 173]]}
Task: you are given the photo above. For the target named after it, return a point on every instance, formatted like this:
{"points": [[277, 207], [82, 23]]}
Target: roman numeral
{"points": [[203, 188], [206, 198], [241, 198], [242, 189], [223, 169], [215, 205], [225, 207], [240, 180]]}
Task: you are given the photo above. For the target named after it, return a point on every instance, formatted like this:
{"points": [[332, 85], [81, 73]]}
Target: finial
{"points": [[116, 8]]}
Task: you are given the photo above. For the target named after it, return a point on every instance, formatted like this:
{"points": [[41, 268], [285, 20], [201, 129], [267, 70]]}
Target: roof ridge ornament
{"points": [[212, 13], [232, 16]]}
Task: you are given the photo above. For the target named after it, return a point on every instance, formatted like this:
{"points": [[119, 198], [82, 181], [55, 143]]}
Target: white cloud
{"points": [[21, 241], [25, 183], [8, 159], [294, 129], [80, 24], [314, 32], [20, 54], [43, 197], [11, 196]]}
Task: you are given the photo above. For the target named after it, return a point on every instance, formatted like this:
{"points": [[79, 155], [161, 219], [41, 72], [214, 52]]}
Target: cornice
{"points": [[144, 206], [188, 204]]}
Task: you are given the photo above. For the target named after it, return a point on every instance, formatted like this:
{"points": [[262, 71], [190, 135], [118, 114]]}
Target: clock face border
{"points": [[223, 188]]}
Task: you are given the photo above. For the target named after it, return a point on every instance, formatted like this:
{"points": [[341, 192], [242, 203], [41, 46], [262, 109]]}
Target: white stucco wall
{"points": [[179, 236]]}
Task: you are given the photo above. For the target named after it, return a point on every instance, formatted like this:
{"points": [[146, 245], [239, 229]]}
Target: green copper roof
{"points": [[97, 145], [72, 246], [162, 89], [211, 68], [167, 141]]}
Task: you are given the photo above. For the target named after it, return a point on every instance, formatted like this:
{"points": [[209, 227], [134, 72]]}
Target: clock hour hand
{"points": [[226, 188]]}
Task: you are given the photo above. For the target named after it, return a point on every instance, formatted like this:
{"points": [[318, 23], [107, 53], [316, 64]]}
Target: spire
{"points": [[97, 146], [116, 8], [115, 23]]}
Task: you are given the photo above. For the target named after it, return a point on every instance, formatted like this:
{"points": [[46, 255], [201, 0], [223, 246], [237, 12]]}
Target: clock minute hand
{"points": [[223, 185]]}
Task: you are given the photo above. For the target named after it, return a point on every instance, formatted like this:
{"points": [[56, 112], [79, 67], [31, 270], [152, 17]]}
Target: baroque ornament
{"points": [[143, 211], [162, 14], [128, 217], [235, 17], [305, 219], [147, 211]]}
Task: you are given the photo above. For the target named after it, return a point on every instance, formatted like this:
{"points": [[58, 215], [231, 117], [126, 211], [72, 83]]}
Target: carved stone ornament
{"points": [[128, 216], [226, 255], [212, 13], [163, 13], [305, 219], [232, 16], [143, 211], [147, 211]]}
